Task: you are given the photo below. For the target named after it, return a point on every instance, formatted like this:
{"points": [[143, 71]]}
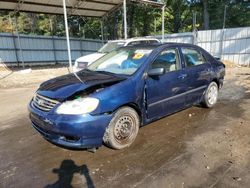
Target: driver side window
{"points": [[167, 59]]}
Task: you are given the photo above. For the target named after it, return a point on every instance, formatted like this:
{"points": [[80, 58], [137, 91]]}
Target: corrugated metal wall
{"points": [[229, 44], [178, 37], [43, 49]]}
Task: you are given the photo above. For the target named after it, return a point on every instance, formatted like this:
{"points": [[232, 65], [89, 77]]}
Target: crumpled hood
{"points": [[65, 86]]}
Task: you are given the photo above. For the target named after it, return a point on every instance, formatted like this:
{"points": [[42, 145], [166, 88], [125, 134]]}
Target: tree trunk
{"points": [[206, 14], [131, 21], [177, 20], [146, 23]]}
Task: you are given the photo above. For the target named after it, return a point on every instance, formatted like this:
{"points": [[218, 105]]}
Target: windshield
{"points": [[110, 46], [121, 61]]}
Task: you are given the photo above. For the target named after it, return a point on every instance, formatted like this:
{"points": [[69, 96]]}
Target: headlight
{"points": [[78, 106]]}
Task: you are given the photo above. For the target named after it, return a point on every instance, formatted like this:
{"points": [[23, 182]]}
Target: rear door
{"points": [[198, 72], [165, 94]]}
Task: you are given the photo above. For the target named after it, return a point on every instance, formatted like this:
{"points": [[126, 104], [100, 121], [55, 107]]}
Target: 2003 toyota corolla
{"points": [[127, 88]]}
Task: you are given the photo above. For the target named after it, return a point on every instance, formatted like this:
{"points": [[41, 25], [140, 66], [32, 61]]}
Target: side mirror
{"points": [[156, 72]]}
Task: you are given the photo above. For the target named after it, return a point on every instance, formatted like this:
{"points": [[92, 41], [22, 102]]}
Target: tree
{"points": [[206, 14], [238, 14], [178, 15], [142, 20]]}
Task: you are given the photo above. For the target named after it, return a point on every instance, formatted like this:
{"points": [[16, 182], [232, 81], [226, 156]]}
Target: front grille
{"points": [[44, 103]]}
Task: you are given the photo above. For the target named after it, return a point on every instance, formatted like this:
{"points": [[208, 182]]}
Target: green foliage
{"points": [[142, 20], [237, 13], [178, 16]]}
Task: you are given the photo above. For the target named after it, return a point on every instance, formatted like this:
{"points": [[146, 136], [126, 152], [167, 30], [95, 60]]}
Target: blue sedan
{"points": [[122, 91]]}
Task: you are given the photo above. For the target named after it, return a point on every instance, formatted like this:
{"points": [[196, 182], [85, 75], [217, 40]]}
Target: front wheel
{"points": [[122, 129], [211, 95]]}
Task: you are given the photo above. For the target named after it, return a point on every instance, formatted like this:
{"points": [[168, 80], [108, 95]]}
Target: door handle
{"points": [[182, 76]]}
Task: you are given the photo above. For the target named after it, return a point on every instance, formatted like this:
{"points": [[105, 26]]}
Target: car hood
{"points": [[63, 87], [90, 58]]}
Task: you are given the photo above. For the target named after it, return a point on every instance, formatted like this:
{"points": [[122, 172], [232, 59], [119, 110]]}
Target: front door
{"points": [[165, 93]]}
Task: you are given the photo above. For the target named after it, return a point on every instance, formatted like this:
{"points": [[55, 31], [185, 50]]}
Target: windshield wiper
{"points": [[114, 74], [102, 71]]}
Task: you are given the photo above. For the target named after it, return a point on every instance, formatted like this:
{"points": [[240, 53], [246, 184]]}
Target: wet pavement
{"points": [[196, 147]]}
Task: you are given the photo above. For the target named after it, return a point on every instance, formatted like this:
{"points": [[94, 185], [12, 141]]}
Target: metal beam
{"points": [[147, 2], [89, 1], [20, 2], [75, 6], [112, 10], [49, 13], [101, 2]]}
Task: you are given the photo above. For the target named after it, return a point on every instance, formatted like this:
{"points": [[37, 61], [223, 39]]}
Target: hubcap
{"points": [[212, 95], [124, 128]]}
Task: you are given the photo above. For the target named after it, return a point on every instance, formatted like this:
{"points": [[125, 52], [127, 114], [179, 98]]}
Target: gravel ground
{"points": [[196, 147]]}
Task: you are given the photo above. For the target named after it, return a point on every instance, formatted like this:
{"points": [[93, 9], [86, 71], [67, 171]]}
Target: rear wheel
{"points": [[122, 129], [211, 95]]}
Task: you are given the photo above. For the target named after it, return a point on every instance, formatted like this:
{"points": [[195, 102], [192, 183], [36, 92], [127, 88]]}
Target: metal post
{"points": [[195, 33], [163, 22], [19, 42], [53, 41], [81, 47], [194, 21], [67, 33], [125, 18], [223, 32], [102, 31], [14, 41], [225, 14], [155, 27]]}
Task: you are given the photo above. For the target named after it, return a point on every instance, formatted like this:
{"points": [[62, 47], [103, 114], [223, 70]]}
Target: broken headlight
{"points": [[78, 106]]}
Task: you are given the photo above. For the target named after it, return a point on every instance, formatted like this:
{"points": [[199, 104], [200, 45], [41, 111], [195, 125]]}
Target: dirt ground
{"points": [[196, 147], [10, 78]]}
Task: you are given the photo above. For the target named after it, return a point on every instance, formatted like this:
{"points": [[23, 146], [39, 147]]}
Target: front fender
{"points": [[113, 97]]}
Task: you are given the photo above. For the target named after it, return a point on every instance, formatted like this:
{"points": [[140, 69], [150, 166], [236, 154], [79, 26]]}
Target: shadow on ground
{"points": [[66, 172]]}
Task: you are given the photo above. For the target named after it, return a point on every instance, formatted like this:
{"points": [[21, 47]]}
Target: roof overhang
{"points": [[88, 8], [149, 2]]}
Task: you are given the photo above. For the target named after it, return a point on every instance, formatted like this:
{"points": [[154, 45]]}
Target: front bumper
{"points": [[71, 131]]}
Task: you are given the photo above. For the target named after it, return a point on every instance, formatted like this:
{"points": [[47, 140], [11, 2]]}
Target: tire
{"points": [[122, 129], [211, 95]]}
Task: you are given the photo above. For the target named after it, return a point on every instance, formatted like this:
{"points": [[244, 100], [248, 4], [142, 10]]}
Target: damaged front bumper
{"points": [[71, 131]]}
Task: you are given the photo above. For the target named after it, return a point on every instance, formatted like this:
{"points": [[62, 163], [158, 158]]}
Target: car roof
{"points": [[167, 44], [135, 39]]}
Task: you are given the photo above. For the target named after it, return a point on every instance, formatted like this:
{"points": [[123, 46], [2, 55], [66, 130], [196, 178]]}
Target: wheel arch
{"points": [[216, 80], [133, 106]]}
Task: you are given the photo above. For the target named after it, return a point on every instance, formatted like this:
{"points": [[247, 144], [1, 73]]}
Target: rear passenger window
{"points": [[168, 59], [192, 57]]}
